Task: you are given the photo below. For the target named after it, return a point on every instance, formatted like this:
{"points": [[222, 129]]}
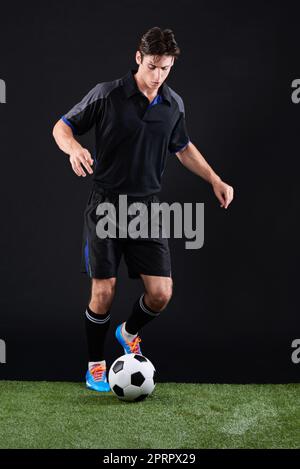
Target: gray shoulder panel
{"points": [[178, 99], [100, 91]]}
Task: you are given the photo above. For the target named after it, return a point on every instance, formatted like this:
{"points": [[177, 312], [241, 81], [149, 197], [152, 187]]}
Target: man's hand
{"points": [[78, 156], [81, 157], [223, 191], [192, 159]]}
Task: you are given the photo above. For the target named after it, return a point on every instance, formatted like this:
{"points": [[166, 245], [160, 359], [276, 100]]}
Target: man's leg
{"points": [[148, 306], [158, 291], [97, 321]]}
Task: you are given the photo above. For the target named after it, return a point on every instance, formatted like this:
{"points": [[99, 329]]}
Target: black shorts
{"points": [[100, 257]]}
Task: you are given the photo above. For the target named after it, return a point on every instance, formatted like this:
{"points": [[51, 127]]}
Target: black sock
{"points": [[140, 316], [96, 326]]}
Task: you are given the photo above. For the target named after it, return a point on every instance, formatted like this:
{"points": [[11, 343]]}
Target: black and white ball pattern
{"points": [[132, 377]]}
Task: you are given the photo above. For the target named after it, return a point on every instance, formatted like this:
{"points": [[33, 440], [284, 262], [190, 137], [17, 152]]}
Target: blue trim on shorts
{"points": [[86, 256]]}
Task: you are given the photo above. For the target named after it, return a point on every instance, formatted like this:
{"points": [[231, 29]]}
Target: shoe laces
{"points": [[97, 371], [134, 345]]}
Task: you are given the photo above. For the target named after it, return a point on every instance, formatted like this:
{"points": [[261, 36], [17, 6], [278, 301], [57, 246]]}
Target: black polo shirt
{"points": [[133, 137]]}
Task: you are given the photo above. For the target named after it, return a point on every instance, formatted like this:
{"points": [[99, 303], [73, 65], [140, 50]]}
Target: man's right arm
{"points": [[78, 156]]}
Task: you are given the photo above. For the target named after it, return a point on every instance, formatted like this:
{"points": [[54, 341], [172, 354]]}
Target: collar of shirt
{"points": [[131, 88]]}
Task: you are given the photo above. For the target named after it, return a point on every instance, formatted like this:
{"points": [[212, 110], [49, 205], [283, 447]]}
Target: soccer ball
{"points": [[131, 377]]}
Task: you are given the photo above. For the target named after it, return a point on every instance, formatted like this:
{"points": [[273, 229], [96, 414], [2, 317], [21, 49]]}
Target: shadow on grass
{"points": [[91, 397]]}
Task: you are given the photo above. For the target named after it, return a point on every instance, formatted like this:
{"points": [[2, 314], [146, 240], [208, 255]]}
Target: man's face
{"points": [[154, 69]]}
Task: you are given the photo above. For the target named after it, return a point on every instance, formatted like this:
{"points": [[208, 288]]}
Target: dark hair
{"points": [[158, 42]]}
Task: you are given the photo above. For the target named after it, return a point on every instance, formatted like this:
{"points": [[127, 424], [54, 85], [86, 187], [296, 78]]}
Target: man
{"points": [[139, 120]]}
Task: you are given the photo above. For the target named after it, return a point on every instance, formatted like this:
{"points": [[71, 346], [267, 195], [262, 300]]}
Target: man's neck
{"points": [[150, 93]]}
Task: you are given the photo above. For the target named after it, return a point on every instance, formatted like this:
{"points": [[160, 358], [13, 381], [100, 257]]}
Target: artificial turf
{"points": [[67, 415]]}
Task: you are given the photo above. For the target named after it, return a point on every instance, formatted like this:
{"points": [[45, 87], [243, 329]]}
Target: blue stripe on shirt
{"points": [[66, 121]]}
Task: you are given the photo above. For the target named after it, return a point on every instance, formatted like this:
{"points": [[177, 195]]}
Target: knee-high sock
{"points": [[96, 326], [140, 316]]}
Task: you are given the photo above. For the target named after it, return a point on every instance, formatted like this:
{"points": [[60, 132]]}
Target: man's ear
{"points": [[138, 57]]}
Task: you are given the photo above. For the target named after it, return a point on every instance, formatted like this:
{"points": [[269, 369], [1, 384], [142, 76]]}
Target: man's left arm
{"points": [[192, 159]]}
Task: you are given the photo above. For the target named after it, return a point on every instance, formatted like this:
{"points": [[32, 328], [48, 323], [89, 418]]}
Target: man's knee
{"points": [[159, 296], [102, 293]]}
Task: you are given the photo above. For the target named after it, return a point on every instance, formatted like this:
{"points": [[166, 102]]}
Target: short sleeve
{"points": [[179, 137], [85, 114]]}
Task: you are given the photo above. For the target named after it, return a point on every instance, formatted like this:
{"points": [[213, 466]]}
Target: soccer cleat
{"points": [[96, 379], [129, 347]]}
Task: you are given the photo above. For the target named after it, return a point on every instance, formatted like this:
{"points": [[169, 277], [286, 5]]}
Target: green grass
{"points": [[67, 415]]}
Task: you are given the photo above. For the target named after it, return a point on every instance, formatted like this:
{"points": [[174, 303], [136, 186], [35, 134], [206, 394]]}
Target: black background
{"points": [[234, 311]]}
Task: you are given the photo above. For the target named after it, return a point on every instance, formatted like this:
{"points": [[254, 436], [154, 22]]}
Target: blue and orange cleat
{"points": [[129, 347], [96, 379]]}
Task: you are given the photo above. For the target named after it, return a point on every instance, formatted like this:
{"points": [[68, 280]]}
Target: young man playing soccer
{"points": [[138, 120]]}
